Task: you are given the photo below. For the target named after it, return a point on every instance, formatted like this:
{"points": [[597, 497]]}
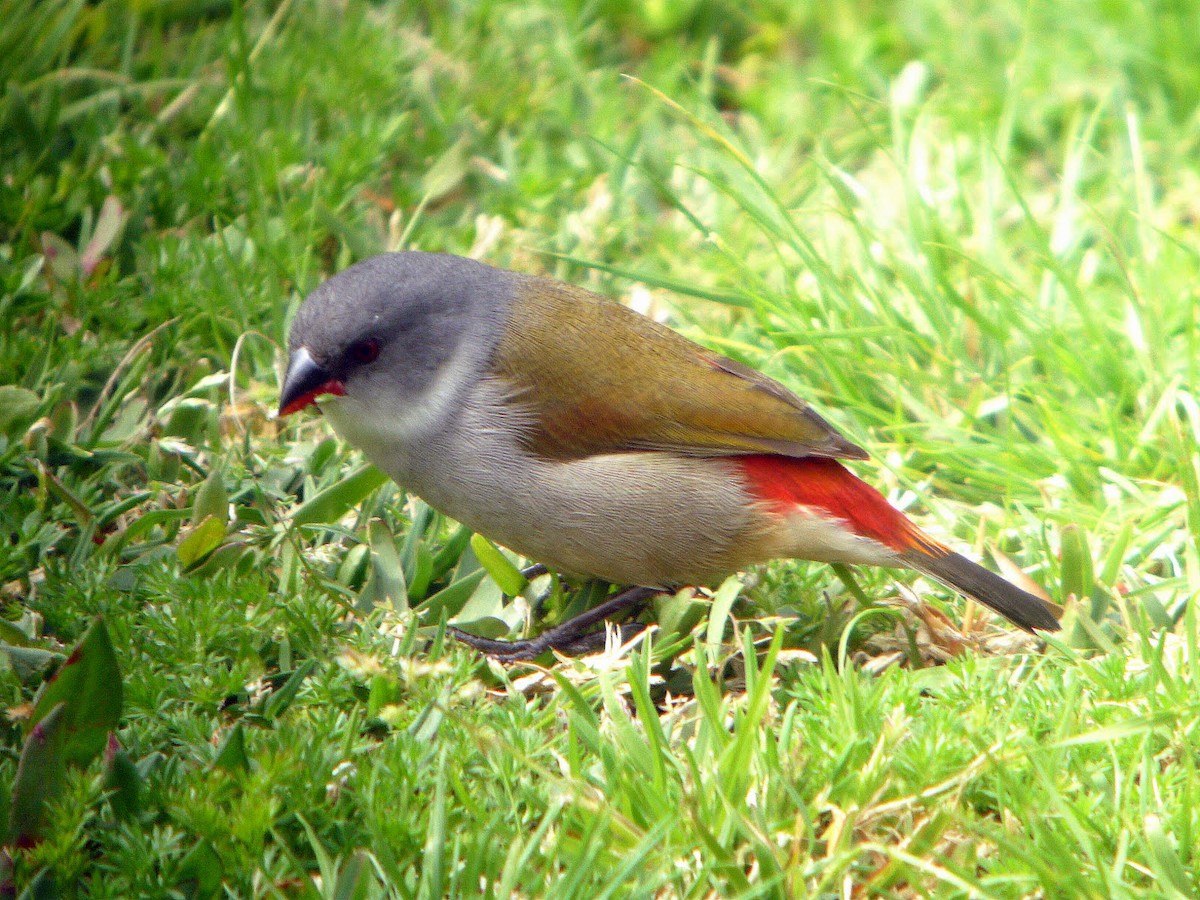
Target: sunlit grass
{"points": [[966, 233]]}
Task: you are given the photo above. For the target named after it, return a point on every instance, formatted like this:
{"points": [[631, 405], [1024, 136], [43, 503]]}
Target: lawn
{"points": [[965, 232]]}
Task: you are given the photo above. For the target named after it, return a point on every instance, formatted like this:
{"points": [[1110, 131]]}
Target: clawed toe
{"points": [[572, 638]]}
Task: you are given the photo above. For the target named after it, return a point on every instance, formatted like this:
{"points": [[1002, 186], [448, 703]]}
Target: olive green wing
{"points": [[596, 377]]}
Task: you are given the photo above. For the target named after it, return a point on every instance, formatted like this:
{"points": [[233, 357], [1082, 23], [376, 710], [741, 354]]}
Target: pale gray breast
{"points": [[632, 518]]}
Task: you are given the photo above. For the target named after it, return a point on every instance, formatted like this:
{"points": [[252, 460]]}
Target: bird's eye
{"points": [[363, 352]]}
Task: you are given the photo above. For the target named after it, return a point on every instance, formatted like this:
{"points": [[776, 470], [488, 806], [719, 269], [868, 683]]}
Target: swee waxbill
{"points": [[590, 438]]}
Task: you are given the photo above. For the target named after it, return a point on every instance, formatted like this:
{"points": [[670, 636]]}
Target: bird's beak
{"points": [[305, 382]]}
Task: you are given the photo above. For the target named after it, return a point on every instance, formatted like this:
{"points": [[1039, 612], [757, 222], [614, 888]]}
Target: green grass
{"points": [[965, 231]]}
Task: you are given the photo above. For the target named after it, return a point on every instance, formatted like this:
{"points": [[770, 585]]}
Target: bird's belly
{"points": [[630, 518], [648, 519]]}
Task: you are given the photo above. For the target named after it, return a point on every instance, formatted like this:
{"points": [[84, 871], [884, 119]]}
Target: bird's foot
{"points": [[572, 637], [535, 570]]}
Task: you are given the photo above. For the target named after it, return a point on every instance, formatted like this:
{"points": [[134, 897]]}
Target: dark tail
{"points": [[976, 582]]}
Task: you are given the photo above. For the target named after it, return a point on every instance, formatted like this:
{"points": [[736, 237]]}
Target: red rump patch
{"points": [[826, 485]]}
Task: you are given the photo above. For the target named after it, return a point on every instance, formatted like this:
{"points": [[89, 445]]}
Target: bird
{"points": [[593, 440]]}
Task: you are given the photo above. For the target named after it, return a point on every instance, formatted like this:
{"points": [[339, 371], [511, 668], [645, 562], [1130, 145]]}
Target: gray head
{"points": [[395, 330]]}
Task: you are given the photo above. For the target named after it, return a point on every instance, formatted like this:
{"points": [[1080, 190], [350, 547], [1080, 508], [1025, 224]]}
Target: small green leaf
{"points": [[422, 575], [490, 627], [88, 686], [354, 877], [385, 583], [677, 615], [450, 599], [415, 537], [28, 627], [503, 572], [722, 603], [40, 777], [64, 421], [11, 633], [211, 500], [1164, 860], [1157, 613], [200, 541], [186, 419], [146, 523], [1077, 578], [352, 571], [60, 490], [224, 557], [201, 871], [1116, 556], [380, 693], [446, 173], [322, 455], [30, 664], [485, 602], [447, 558], [281, 698], [232, 756], [336, 500], [61, 256], [109, 225], [18, 406], [121, 780]]}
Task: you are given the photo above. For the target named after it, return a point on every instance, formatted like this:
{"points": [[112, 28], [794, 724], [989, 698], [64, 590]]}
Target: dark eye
{"points": [[363, 352]]}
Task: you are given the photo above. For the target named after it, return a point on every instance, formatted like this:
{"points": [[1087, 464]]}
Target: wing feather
{"points": [[598, 377]]}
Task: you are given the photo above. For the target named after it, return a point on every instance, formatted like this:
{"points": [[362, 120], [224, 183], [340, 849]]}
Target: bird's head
{"points": [[392, 342]]}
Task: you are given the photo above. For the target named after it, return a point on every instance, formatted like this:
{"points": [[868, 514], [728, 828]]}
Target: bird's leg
{"points": [[568, 637], [537, 570]]}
